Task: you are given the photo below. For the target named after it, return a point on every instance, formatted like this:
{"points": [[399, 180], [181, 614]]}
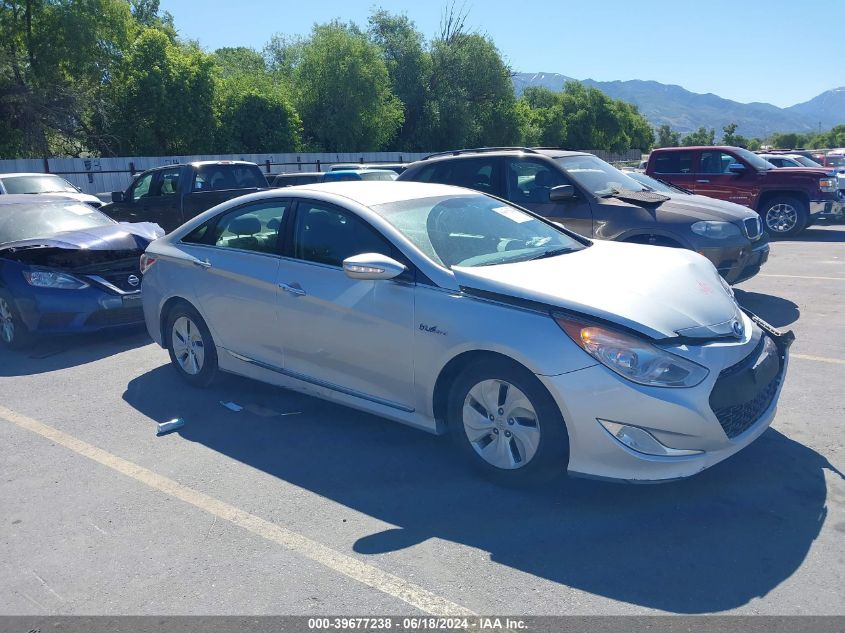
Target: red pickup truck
{"points": [[788, 199]]}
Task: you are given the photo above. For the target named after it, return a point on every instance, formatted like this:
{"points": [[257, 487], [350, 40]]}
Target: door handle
{"points": [[205, 264], [294, 290], [702, 181]]}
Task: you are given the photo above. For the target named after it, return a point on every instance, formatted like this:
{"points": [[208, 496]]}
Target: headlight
{"points": [[633, 358], [47, 279], [716, 230], [828, 184]]}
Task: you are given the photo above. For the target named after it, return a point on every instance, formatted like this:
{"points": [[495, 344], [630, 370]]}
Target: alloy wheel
{"points": [[781, 218], [7, 322], [188, 345], [501, 424]]}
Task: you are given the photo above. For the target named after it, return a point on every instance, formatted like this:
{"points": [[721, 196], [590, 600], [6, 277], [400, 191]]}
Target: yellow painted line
{"points": [[369, 575], [803, 277], [819, 359]]}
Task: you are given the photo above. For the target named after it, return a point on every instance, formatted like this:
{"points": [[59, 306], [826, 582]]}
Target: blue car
{"points": [[65, 267]]}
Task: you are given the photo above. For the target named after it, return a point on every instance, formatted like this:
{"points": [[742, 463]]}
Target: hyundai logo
{"points": [[736, 326], [133, 280]]}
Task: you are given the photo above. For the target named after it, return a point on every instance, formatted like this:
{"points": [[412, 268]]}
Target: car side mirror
{"points": [[117, 196], [561, 192], [372, 266], [736, 168]]}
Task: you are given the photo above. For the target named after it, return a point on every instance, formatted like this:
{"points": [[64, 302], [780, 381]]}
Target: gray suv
{"points": [[591, 197]]}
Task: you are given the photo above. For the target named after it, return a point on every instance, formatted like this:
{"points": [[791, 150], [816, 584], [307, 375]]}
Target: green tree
{"points": [[409, 67], [163, 98], [343, 91], [240, 60], [702, 136], [667, 137], [730, 137]]}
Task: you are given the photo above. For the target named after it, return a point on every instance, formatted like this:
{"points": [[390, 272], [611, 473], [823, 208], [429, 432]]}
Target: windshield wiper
{"points": [[554, 252]]}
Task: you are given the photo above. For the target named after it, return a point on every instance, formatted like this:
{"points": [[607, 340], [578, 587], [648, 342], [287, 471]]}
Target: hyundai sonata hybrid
{"points": [[453, 311]]}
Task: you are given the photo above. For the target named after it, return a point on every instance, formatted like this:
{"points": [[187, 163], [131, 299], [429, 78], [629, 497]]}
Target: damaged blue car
{"points": [[67, 268]]}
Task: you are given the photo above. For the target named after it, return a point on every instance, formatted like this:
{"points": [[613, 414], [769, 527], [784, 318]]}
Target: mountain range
{"points": [[686, 111]]}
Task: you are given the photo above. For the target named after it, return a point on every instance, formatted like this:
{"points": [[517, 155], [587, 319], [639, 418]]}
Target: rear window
{"points": [[37, 184], [673, 163], [221, 177]]}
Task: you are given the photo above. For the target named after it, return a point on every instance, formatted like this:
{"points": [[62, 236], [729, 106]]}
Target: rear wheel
{"points": [[784, 216], [13, 332], [506, 423], [192, 350]]}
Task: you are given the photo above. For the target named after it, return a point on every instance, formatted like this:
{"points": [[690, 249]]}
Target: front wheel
{"points": [[785, 216], [506, 423], [192, 350], [13, 332]]}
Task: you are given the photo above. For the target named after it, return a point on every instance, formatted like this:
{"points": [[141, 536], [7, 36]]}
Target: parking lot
{"points": [[297, 506]]}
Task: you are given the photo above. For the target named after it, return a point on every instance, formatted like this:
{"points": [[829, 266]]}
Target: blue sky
{"points": [[778, 51]]}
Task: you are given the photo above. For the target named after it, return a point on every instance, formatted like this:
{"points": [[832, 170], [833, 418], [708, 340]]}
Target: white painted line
{"points": [[802, 277], [369, 575], [819, 359]]}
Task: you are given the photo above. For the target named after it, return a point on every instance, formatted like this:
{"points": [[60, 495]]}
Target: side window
{"points": [[142, 187], [715, 162], [251, 228], [473, 173], [168, 180], [530, 181], [327, 235], [673, 163]]}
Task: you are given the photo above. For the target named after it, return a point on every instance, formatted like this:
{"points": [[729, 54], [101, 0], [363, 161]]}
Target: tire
{"points": [[525, 442], [13, 332], [191, 347], [784, 216]]}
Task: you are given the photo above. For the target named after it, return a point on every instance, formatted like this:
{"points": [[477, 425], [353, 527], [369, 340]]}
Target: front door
{"points": [[529, 182], [353, 336], [713, 178], [233, 263]]}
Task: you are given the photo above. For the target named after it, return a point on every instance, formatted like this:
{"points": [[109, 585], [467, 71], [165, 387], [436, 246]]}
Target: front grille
{"points": [[736, 399], [753, 227], [118, 316], [121, 280]]}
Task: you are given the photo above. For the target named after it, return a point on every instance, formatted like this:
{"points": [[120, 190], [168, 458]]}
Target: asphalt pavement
{"points": [[297, 506]]}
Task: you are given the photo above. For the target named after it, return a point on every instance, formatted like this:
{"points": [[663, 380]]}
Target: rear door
{"points": [[528, 183], [235, 264], [676, 166], [350, 335], [713, 177]]}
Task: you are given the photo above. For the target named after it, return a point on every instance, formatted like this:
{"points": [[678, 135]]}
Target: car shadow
{"points": [[705, 544], [777, 311], [63, 352], [816, 233]]}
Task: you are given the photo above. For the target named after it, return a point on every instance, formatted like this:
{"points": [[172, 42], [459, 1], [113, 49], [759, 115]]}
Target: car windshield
{"points": [[475, 230], [756, 162], [30, 221], [598, 176], [654, 184], [46, 183], [807, 162], [835, 161]]}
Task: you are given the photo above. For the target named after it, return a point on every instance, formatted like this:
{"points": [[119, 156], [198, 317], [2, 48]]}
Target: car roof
{"points": [[374, 192], [358, 171], [292, 174], [550, 152]]}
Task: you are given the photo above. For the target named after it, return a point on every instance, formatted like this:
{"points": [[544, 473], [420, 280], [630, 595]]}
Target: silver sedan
{"points": [[538, 350]]}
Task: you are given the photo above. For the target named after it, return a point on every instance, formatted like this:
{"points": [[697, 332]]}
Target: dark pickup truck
{"points": [[788, 199], [172, 195]]}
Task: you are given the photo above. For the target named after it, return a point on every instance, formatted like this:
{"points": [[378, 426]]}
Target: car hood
{"points": [[704, 208], [110, 237], [658, 291]]}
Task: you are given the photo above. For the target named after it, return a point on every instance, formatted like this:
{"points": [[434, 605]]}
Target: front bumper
{"points": [[739, 263], [678, 418], [46, 311], [827, 210]]}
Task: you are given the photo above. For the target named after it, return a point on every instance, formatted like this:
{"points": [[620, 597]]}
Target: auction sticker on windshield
{"points": [[512, 214]]}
